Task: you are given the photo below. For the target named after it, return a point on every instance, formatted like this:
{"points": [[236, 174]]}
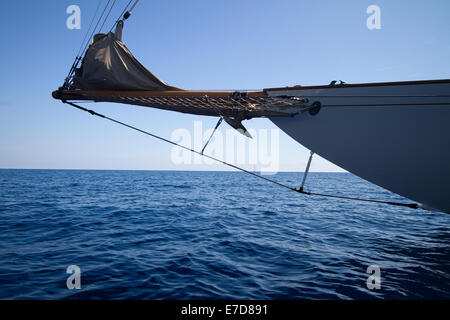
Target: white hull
{"points": [[394, 135]]}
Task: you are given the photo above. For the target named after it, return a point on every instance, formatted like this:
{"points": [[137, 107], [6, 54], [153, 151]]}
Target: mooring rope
{"points": [[92, 112]]}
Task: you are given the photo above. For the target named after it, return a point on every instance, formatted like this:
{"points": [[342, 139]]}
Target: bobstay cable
{"points": [[298, 190]]}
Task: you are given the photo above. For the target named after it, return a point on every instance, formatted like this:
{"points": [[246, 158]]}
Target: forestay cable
{"points": [[125, 14], [121, 14], [106, 18], [89, 29], [85, 44]]}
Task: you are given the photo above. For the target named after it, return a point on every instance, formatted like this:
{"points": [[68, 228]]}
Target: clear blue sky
{"points": [[200, 44]]}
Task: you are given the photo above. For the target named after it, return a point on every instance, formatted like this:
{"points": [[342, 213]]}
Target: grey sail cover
{"points": [[109, 65]]}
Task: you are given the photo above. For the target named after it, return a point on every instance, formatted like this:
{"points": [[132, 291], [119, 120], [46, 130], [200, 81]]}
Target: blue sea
{"points": [[213, 235]]}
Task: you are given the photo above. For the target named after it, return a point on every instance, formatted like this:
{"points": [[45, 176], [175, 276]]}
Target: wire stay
{"points": [[92, 112]]}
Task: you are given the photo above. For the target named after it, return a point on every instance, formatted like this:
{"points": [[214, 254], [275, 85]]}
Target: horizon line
{"points": [[75, 169]]}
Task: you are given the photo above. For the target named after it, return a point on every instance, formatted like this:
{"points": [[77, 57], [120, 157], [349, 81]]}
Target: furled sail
{"points": [[110, 73], [109, 65]]}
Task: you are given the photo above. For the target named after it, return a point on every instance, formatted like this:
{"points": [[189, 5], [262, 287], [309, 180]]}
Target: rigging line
{"points": [[89, 29], [134, 5], [92, 112], [121, 14], [109, 12], [215, 128], [79, 56], [409, 205], [93, 30], [305, 174], [74, 65]]}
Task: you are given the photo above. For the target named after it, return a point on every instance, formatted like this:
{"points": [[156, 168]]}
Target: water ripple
{"points": [[206, 235]]}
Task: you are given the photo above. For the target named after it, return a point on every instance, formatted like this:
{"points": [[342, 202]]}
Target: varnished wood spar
{"points": [[177, 93], [192, 102], [354, 85]]}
